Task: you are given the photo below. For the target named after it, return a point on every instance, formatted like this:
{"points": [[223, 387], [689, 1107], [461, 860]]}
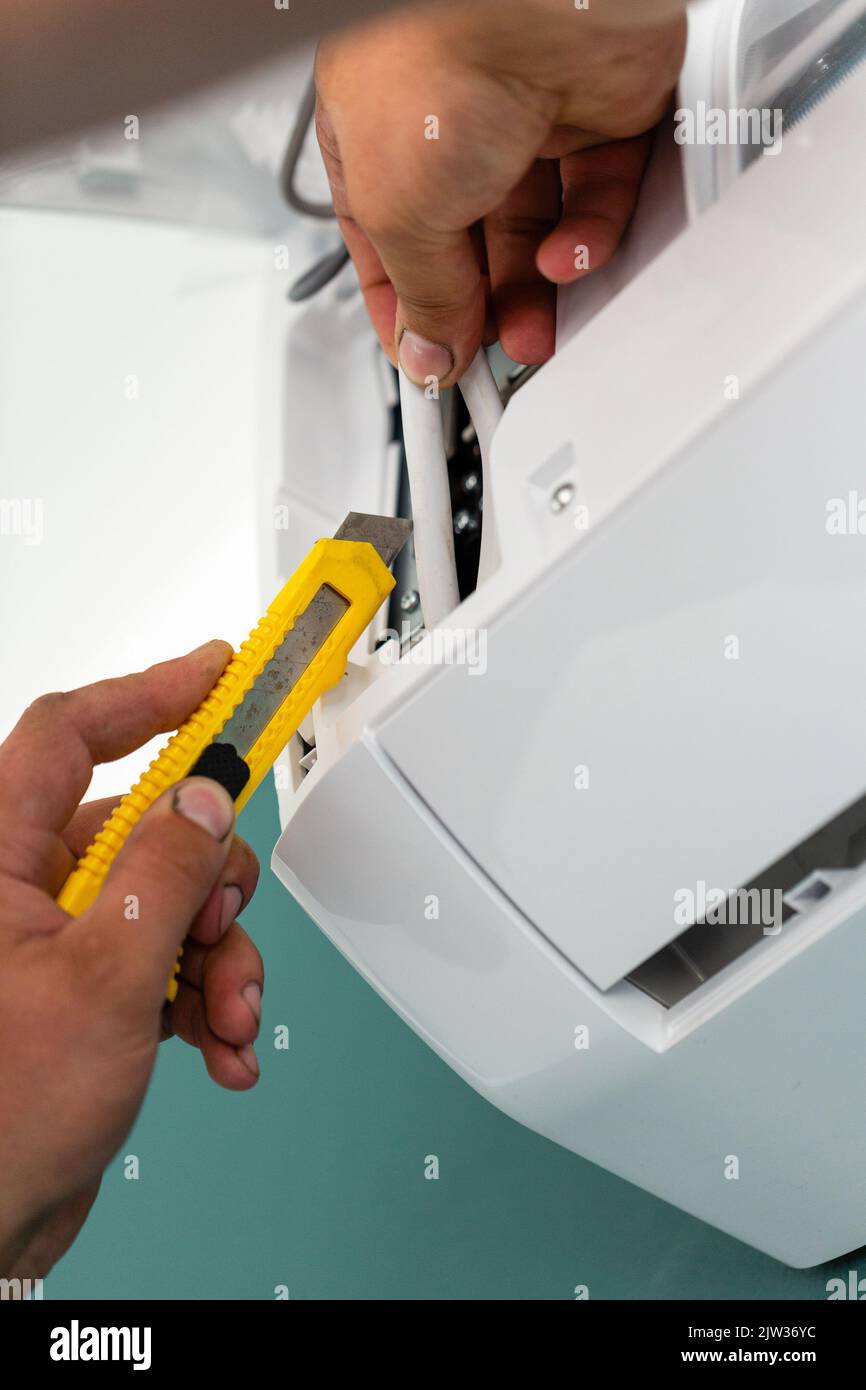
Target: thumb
{"points": [[440, 303], [161, 877]]}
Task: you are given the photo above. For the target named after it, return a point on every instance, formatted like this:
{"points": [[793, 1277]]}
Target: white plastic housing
{"points": [[705, 418]]}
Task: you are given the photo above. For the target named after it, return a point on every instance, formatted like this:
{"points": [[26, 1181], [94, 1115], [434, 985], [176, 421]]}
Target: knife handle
{"points": [[355, 570]]}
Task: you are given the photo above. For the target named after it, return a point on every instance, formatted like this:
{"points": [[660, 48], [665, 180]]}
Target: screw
{"points": [[465, 522], [562, 495], [410, 600]]}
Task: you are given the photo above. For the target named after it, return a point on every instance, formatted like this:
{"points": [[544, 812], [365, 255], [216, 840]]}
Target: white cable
{"points": [[424, 441], [427, 466], [484, 403]]}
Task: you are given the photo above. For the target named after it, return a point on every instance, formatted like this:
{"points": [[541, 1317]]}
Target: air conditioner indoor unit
{"points": [[612, 868]]}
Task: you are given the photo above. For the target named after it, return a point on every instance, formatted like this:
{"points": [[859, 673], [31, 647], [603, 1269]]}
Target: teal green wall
{"points": [[315, 1179]]}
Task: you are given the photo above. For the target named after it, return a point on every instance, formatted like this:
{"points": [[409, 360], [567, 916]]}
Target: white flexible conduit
{"points": [[484, 404], [424, 441], [426, 465]]}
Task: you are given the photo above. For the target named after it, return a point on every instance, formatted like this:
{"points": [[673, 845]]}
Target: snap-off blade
{"points": [[387, 535]]}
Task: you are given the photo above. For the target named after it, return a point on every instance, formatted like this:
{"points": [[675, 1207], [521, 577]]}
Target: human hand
{"points": [[82, 1000], [538, 149]]}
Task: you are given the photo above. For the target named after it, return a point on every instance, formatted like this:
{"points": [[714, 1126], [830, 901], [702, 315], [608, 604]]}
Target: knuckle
{"points": [[380, 221], [182, 858], [428, 303], [241, 944], [48, 709], [326, 135], [394, 206], [249, 862], [183, 872]]}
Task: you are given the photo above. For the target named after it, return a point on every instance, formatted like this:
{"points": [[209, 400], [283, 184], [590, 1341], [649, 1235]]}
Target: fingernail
{"points": [[253, 995], [421, 359], [248, 1057], [231, 905], [207, 804]]}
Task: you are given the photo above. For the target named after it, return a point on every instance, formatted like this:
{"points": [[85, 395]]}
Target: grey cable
{"points": [[318, 275], [292, 157]]}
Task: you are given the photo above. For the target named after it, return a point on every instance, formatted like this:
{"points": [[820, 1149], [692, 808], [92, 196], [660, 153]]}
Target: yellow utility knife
{"points": [[298, 651]]}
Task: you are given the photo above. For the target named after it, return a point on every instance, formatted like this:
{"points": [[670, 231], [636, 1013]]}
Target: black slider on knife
{"points": [[222, 763]]}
